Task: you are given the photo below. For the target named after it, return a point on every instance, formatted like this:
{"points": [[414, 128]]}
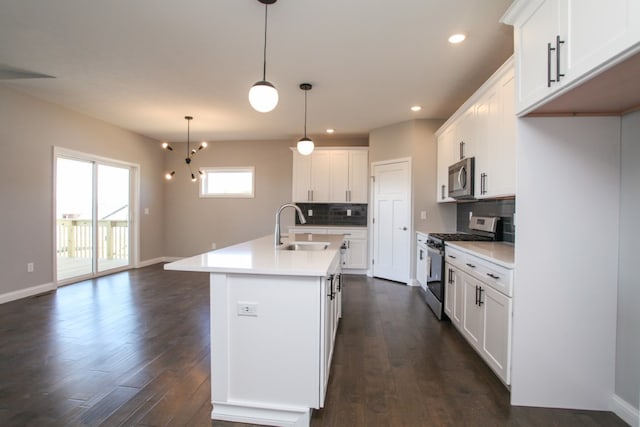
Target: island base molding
{"points": [[268, 416]]}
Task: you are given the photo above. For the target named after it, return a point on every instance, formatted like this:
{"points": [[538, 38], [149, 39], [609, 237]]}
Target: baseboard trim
{"points": [[148, 262], [625, 410], [28, 292], [413, 282]]}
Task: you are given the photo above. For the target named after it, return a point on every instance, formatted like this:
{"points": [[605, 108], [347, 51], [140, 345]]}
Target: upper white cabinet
{"points": [[331, 176], [483, 128], [561, 43]]}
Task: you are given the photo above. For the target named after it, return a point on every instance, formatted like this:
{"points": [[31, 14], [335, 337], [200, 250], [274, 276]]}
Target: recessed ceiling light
{"points": [[416, 108], [330, 130], [457, 38]]}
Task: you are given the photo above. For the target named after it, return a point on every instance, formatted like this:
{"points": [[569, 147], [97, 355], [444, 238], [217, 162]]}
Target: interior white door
{"points": [[392, 221]]}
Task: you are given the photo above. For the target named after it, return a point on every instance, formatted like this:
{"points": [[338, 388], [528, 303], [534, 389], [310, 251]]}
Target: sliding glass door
{"points": [[93, 232]]}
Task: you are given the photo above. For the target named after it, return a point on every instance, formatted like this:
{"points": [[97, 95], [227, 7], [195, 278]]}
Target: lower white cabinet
{"points": [[356, 253], [481, 309]]}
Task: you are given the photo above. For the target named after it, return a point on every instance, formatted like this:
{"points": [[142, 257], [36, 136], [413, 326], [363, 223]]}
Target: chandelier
{"points": [[190, 153]]}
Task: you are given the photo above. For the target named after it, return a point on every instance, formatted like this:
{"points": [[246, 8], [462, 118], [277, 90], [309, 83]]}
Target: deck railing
{"points": [[75, 238]]}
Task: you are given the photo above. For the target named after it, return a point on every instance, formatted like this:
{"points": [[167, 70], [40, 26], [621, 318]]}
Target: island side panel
{"points": [[271, 359]]}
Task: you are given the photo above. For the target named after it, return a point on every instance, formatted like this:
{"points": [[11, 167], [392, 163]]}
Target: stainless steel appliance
{"points": [[481, 228], [461, 179]]}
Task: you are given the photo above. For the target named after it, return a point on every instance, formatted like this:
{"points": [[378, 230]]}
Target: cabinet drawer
{"points": [[455, 257], [496, 276], [350, 233]]}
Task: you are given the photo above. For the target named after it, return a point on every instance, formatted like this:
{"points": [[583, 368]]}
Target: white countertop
{"points": [[500, 253], [259, 256]]}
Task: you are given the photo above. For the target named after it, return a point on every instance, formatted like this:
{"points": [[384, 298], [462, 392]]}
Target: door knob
{"points": [[403, 228]]}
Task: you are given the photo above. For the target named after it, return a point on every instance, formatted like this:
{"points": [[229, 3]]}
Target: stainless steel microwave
{"points": [[461, 179]]}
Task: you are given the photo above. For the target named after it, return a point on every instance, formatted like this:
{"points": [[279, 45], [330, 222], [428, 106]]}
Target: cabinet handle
{"points": [[339, 282], [461, 150], [471, 265], [558, 43], [483, 183], [442, 192], [493, 276], [421, 255], [476, 295], [331, 294], [549, 50], [480, 302], [451, 256]]}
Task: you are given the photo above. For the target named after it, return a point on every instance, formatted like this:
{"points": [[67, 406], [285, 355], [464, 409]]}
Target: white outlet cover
{"points": [[310, 212], [348, 212]]}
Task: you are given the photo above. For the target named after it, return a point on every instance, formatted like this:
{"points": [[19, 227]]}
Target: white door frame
{"points": [[372, 200], [134, 213]]}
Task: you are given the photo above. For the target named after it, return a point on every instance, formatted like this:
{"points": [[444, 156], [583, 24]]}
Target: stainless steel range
{"points": [[481, 228]]}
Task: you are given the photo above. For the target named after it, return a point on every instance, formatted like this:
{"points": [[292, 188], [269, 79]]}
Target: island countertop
{"points": [[259, 256]]}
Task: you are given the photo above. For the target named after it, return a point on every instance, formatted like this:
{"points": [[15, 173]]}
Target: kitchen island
{"points": [[274, 315]]}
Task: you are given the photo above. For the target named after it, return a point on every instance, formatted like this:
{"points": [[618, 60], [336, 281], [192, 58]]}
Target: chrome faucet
{"points": [[278, 241]]}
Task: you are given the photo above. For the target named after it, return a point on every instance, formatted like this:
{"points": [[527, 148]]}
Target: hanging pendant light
{"points": [[263, 95], [305, 145], [190, 154]]}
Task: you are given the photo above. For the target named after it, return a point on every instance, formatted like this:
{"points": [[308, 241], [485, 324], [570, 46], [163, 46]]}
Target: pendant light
{"points": [[263, 95], [190, 154], [305, 145]]}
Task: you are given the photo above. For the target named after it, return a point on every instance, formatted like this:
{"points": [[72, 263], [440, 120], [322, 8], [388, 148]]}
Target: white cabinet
{"points": [[422, 260], [478, 302], [483, 128], [446, 156], [454, 295], [332, 311], [559, 43], [331, 176], [495, 145], [356, 254]]}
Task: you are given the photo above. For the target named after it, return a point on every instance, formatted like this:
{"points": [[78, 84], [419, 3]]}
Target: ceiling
{"points": [[145, 64]]}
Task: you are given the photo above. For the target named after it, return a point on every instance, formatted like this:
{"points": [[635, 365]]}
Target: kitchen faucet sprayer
{"points": [[278, 240]]}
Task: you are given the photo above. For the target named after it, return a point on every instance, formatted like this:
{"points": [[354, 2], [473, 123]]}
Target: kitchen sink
{"points": [[305, 246]]}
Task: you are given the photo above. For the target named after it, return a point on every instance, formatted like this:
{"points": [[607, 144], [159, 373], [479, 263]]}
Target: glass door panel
{"points": [[113, 217], [74, 218]]}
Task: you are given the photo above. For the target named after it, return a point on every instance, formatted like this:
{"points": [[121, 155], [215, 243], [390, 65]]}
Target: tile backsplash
{"points": [[505, 209], [334, 213]]}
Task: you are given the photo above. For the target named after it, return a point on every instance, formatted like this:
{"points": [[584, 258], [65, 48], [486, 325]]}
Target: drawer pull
{"points": [[493, 276], [471, 265], [451, 256]]}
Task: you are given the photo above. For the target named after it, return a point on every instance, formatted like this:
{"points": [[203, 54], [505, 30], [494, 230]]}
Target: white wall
{"points": [[628, 331], [29, 129], [565, 294]]}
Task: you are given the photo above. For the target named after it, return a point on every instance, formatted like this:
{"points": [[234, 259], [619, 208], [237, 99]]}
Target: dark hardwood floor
{"points": [[133, 349]]}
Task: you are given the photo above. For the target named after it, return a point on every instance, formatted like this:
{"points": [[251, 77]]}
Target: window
{"points": [[228, 182]]}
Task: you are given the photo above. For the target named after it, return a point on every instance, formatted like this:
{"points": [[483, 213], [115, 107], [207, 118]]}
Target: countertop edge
{"points": [[471, 248]]}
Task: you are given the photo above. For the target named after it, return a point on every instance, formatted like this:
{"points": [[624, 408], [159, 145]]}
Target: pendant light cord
{"points": [[305, 113], [188, 150], [264, 52]]}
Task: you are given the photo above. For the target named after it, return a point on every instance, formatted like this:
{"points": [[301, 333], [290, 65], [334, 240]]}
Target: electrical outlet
{"points": [[146, 211], [348, 212], [310, 212], [248, 309], [213, 246], [423, 214], [30, 267]]}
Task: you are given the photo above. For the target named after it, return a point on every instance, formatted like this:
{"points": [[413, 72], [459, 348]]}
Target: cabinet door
{"points": [[356, 256], [535, 66], [488, 124], [328, 326], [496, 166], [472, 319], [595, 32], [466, 134], [301, 184], [421, 267], [449, 291], [320, 176], [339, 176], [447, 147], [497, 331], [358, 176]]}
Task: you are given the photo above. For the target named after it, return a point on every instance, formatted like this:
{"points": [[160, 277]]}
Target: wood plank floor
{"points": [[133, 349]]}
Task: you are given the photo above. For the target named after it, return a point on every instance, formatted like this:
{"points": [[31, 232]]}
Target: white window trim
{"points": [[207, 170]]}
